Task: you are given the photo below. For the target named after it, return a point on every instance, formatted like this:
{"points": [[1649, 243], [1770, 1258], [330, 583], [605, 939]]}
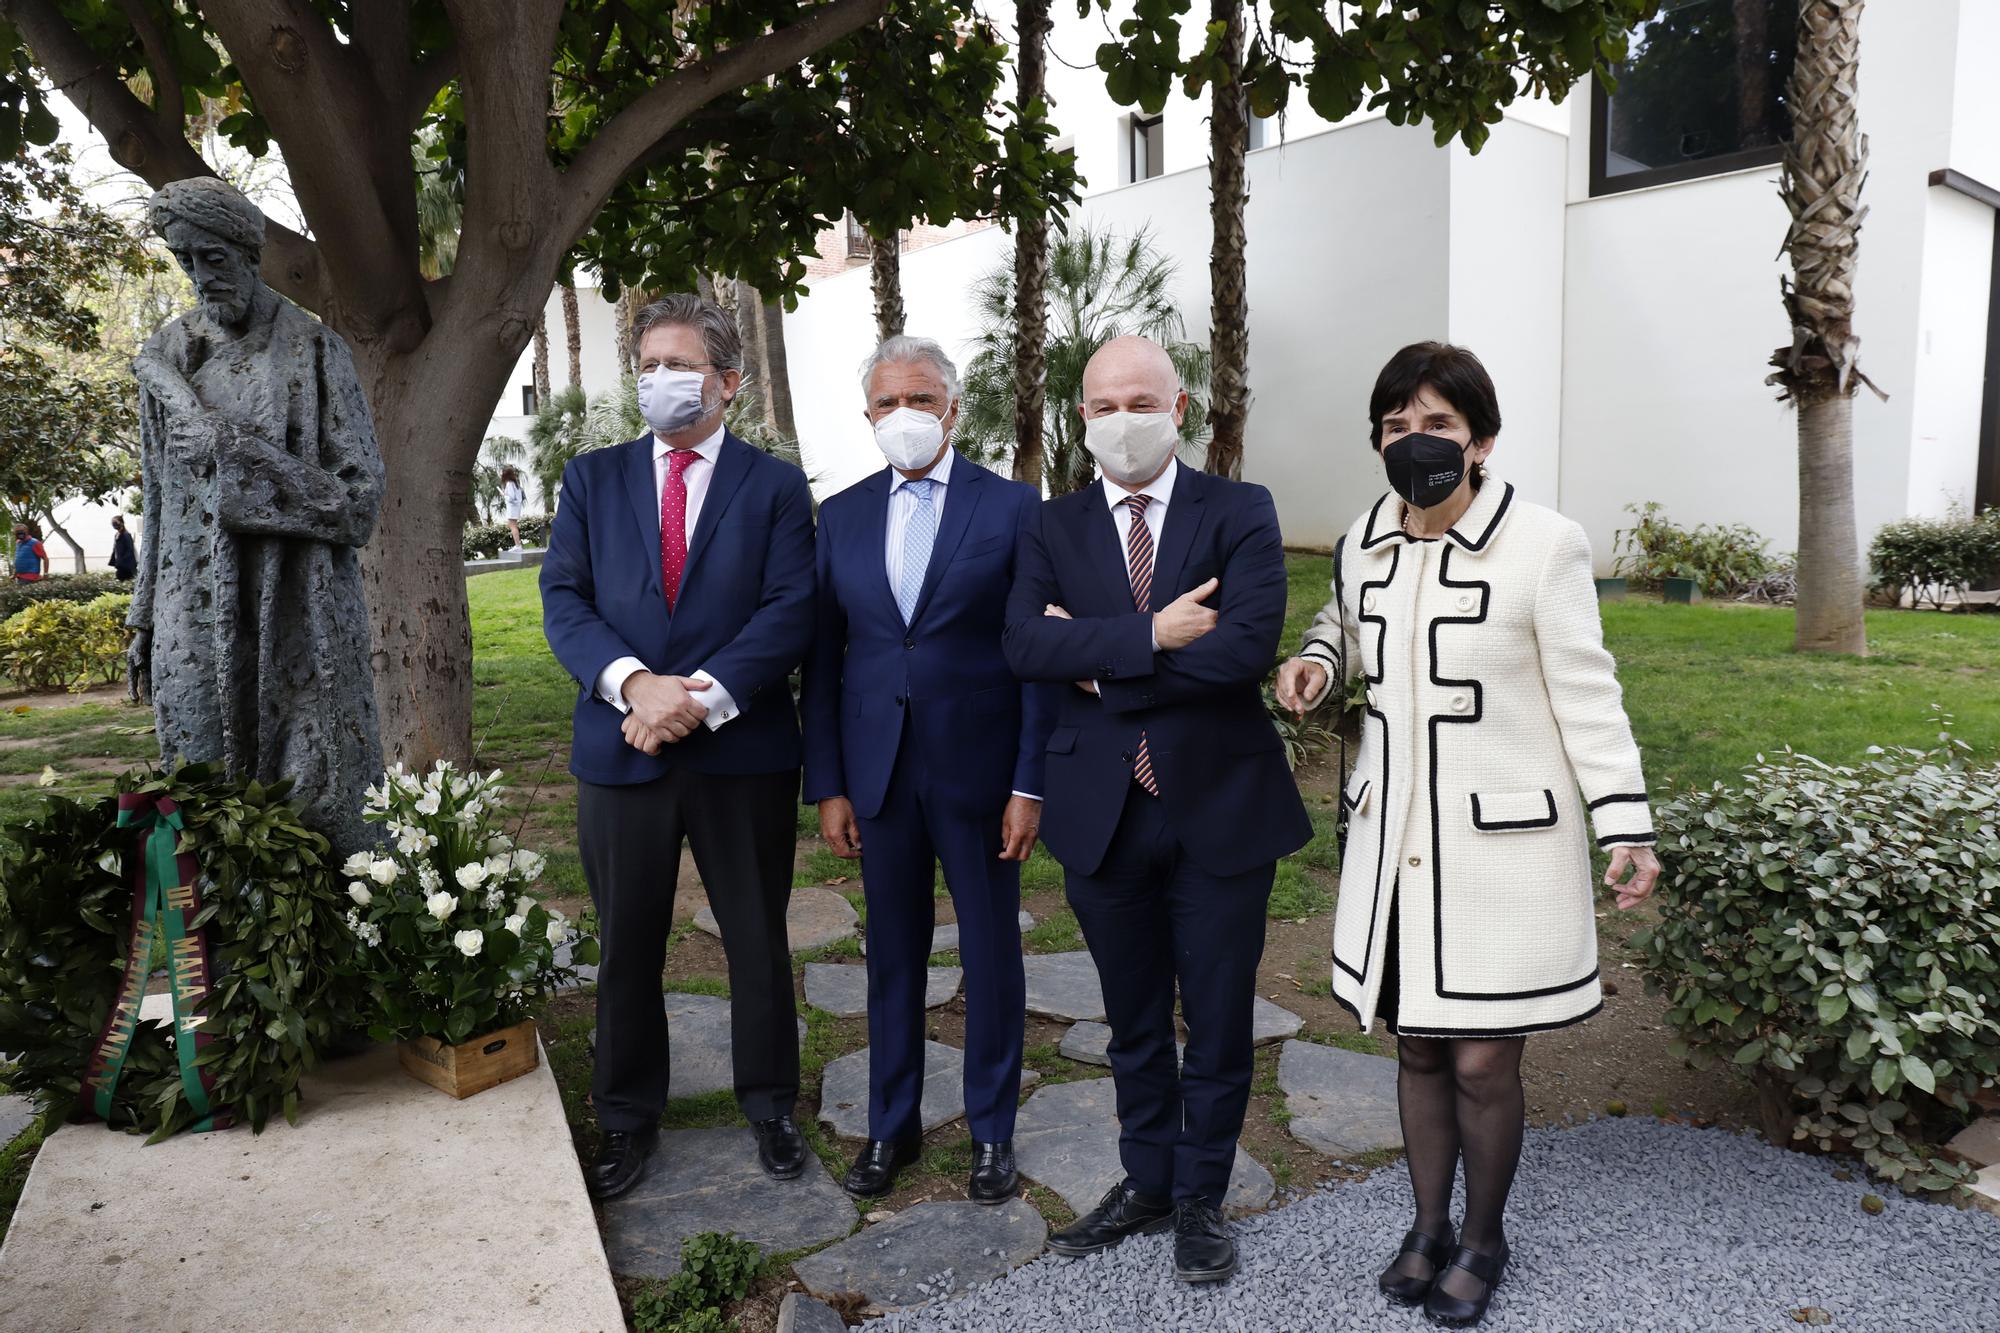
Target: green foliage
{"points": [[1295, 894], [1101, 286], [16, 596], [1935, 560], [55, 644], [450, 944], [1303, 737], [1831, 929], [485, 541], [1723, 560], [715, 1270], [275, 937]]}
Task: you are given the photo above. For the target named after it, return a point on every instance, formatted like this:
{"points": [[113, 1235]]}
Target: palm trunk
{"points": [[1229, 306], [777, 368], [542, 356], [1031, 266], [573, 334], [749, 312], [628, 308], [885, 278], [1824, 167]]}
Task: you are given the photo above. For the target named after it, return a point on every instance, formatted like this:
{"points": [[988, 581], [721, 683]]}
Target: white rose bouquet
{"points": [[450, 942]]}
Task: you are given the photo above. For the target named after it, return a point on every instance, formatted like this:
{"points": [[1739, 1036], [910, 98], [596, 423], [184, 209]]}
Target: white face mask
{"points": [[1131, 447], [909, 438], [671, 400]]}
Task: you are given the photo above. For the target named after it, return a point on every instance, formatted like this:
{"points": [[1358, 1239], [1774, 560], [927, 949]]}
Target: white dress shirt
{"points": [[610, 687], [902, 502]]}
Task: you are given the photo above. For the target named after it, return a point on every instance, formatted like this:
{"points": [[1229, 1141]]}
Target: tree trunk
{"points": [[76, 551], [542, 357], [749, 312], [885, 277], [1229, 305], [1825, 164], [628, 310], [573, 334], [1031, 266], [777, 366]]}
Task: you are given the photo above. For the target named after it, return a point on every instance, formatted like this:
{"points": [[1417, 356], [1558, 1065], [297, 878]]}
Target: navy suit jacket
{"points": [[745, 608], [942, 680], [1218, 759]]}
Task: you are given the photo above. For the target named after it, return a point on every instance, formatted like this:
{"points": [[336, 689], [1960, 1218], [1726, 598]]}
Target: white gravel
{"points": [[1614, 1225]]}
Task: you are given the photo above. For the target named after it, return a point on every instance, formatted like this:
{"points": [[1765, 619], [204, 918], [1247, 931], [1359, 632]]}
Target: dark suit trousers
{"points": [[913, 833], [1152, 917], [741, 829]]}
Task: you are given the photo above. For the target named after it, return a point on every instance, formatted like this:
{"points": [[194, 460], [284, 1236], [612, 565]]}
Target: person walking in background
{"points": [[513, 497], [1494, 724], [678, 592], [1169, 799], [124, 552], [923, 749], [31, 561]]}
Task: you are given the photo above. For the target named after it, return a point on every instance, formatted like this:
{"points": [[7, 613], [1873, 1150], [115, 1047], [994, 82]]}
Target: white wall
{"points": [[597, 337], [1950, 367]]}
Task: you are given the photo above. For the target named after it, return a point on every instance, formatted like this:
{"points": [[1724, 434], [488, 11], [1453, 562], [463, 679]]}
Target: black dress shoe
{"points": [[1123, 1212], [1203, 1251], [874, 1171], [1403, 1289], [994, 1176], [781, 1149], [621, 1163], [1457, 1311]]}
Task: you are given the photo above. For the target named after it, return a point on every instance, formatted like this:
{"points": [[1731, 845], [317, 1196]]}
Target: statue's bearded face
{"points": [[224, 273]]}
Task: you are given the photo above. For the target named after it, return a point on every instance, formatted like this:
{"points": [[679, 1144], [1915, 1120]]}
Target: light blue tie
{"points": [[919, 535]]}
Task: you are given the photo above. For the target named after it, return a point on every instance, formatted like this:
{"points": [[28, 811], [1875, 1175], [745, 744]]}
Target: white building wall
{"points": [[1950, 366]]}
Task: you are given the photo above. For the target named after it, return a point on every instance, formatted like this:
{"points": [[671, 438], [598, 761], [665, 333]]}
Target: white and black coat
{"points": [[1494, 722]]}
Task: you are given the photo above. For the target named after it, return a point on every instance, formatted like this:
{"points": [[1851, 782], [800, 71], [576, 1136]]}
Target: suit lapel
{"points": [[641, 490], [732, 465], [961, 498], [1183, 520], [1104, 551], [874, 542]]}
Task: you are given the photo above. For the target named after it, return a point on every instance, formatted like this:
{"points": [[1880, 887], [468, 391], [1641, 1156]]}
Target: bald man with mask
{"points": [[1158, 594]]}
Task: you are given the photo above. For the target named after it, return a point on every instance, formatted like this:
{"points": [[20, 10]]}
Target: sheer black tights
{"points": [[1460, 1099]]}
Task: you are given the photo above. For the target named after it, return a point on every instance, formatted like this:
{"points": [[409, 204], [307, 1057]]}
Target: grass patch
{"points": [[1315, 978], [1296, 893], [845, 950], [1323, 852], [1346, 1041], [1050, 1205], [1040, 873], [701, 985], [1056, 933], [708, 1111], [15, 1159], [823, 867]]}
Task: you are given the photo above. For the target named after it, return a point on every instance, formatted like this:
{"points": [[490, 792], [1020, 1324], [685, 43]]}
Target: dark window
{"points": [[858, 246], [1148, 147], [1702, 91], [528, 405]]}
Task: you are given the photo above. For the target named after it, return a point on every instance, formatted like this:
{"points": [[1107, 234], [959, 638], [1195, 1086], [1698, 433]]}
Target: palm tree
{"points": [[542, 355], [440, 205], [573, 333], [885, 279], [1229, 305], [1826, 161], [1101, 286], [1031, 260]]}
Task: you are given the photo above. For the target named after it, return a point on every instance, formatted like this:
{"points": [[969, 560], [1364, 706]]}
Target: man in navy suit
{"points": [[678, 591], [1169, 800], [923, 749]]}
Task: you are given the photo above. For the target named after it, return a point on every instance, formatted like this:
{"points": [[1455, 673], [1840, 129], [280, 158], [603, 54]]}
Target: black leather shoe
{"points": [[781, 1149], [1456, 1311], [1403, 1289], [994, 1176], [1203, 1251], [1123, 1212], [874, 1171], [620, 1164]]}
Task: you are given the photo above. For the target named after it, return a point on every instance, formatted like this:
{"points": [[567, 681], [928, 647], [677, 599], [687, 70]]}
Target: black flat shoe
{"points": [[1203, 1251], [621, 1163], [874, 1171], [781, 1149], [1122, 1212], [1401, 1287], [994, 1175], [1455, 1311]]}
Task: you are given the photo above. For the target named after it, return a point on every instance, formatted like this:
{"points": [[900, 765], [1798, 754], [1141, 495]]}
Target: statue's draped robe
{"points": [[256, 509]]}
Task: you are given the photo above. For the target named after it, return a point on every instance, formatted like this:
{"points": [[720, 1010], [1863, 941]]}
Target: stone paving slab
{"points": [[800, 1313], [586, 973], [709, 1180], [1978, 1144], [1272, 1022], [1067, 1139], [1065, 986], [1089, 1042], [388, 1206], [842, 988], [926, 1252], [843, 1098], [1343, 1103], [1985, 1189], [814, 918], [699, 1060], [16, 1114], [944, 939]]}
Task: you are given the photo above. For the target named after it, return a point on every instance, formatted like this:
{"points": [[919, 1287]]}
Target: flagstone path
{"points": [[842, 988], [843, 1098], [815, 917], [1067, 1139], [1342, 1103], [927, 1252]]}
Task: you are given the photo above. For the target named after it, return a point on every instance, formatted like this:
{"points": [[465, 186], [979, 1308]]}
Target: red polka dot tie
{"points": [[673, 522]]}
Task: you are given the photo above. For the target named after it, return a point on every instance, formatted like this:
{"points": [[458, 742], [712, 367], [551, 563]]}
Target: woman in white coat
{"points": [[1494, 728]]}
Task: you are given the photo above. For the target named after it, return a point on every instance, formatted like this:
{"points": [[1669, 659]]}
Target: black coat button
{"points": [[899, 701], [909, 643]]}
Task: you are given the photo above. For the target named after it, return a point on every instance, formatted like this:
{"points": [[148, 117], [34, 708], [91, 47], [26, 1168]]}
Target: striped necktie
{"points": [[1139, 565]]}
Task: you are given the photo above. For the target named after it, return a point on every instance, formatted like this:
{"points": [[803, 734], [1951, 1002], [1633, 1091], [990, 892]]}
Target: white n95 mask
{"points": [[909, 438], [1131, 447]]}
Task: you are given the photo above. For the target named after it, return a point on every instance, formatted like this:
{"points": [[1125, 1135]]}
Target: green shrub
{"points": [[1834, 930], [715, 1270], [55, 645], [1723, 560], [485, 541], [1935, 560], [16, 596]]}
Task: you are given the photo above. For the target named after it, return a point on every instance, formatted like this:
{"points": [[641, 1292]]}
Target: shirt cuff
{"points": [[1153, 628], [610, 685], [1027, 796], [720, 703]]}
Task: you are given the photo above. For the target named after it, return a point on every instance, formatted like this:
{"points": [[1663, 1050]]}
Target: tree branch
{"points": [[169, 102], [292, 264], [635, 130]]}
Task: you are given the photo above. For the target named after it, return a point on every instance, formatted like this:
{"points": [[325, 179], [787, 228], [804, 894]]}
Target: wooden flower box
{"points": [[474, 1065]]}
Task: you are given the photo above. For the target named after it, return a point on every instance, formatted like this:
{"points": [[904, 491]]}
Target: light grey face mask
{"points": [[1131, 447], [671, 400]]}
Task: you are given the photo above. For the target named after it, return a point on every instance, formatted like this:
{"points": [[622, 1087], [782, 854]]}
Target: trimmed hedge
{"points": [[485, 541], [1934, 560], [16, 596]]}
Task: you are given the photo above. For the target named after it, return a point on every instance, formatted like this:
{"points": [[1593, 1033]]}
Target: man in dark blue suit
{"points": [[923, 749], [678, 591], [1169, 800]]}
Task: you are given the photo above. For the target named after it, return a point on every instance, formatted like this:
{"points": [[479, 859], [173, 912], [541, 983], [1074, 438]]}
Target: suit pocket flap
{"points": [[1512, 811], [1062, 740], [1359, 789]]}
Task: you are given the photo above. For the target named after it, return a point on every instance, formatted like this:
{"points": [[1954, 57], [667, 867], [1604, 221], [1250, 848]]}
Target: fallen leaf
{"points": [[48, 777], [1811, 1314], [22, 710]]}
